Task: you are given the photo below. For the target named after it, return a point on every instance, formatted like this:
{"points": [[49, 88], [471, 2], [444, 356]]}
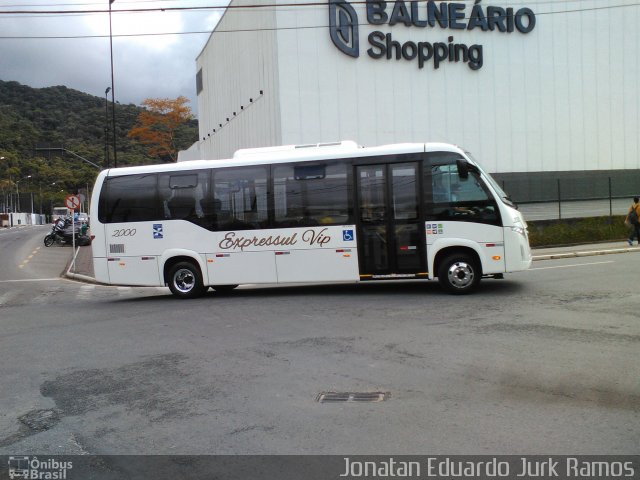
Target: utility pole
{"points": [[113, 93], [106, 127]]}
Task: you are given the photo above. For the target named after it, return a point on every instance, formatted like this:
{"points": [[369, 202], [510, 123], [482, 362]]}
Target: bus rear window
{"points": [[131, 198]]}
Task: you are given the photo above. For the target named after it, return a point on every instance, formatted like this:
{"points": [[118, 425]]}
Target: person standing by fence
{"points": [[633, 220]]}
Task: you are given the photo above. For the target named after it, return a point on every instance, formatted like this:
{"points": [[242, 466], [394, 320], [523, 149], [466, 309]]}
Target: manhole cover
{"points": [[332, 397]]}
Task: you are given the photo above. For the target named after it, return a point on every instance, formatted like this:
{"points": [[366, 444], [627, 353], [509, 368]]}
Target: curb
{"points": [[555, 256], [77, 276], [80, 277]]}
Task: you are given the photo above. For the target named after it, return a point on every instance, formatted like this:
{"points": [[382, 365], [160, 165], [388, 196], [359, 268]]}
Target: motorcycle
{"points": [[62, 233]]}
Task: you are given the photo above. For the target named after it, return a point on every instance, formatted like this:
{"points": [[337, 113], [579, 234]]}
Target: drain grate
{"points": [[333, 397]]}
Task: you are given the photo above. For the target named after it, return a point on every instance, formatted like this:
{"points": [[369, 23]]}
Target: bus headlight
{"points": [[519, 226], [519, 230]]}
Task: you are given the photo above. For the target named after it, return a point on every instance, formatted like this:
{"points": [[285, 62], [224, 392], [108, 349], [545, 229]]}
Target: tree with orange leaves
{"points": [[157, 124]]}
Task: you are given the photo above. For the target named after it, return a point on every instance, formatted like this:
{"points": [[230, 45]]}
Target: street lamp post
{"points": [[51, 196], [113, 93], [106, 126], [18, 191], [5, 200], [30, 192]]}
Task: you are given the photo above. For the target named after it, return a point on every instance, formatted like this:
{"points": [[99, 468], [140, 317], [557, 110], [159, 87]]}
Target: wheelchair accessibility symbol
{"points": [[347, 235], [158, 230]]}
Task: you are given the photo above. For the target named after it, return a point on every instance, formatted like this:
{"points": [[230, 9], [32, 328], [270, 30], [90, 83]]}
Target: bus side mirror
{"points": [[463, 168]]}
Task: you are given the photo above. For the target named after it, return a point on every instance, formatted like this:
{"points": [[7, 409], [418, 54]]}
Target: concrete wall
{"points": [[16, 219], [572, 185], [238, 63], [192, 153]]}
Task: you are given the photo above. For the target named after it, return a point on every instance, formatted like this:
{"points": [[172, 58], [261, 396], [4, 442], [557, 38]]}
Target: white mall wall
{"points": [[237, 63], [562, 97]]}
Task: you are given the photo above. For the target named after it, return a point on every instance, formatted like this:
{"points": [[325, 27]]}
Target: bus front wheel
{"points": [[459, 274], [185, 280]]}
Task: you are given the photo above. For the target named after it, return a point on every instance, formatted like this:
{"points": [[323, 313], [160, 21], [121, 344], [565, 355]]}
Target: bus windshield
{"points": [[501, 193]]}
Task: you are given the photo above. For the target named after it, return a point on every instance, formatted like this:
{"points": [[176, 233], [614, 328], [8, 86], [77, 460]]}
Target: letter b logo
{"points": [[343, 26]]}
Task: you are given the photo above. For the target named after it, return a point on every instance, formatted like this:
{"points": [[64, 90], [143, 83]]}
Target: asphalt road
{"points": [[25, 256], [543, 362]]}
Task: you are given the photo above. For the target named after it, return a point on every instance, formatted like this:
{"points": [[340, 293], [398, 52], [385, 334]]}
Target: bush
{"points": [[549, 233]]}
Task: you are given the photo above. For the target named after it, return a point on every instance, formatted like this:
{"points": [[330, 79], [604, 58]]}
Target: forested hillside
{"points": [[33, 118]]}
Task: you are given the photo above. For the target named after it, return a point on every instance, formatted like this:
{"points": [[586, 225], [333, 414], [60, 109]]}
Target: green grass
{"points": [[547, 233]]}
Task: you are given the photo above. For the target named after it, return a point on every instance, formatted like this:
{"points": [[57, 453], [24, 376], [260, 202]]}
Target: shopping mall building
{"points": [[537, 90]]}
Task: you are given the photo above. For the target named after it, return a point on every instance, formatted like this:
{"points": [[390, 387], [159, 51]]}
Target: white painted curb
{"points": [[555, 256]]}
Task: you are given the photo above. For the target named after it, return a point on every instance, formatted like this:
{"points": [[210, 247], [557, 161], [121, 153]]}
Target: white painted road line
{"points": [[56, 279], [571, 266]]}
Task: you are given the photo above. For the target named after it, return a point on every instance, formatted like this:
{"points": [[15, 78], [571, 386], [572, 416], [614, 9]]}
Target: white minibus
{"points": [[58, 212], [307, 213]]}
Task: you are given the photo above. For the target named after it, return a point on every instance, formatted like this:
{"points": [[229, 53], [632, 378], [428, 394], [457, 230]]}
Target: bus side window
{"points": [[131, 198], [181, 194], [311, 195], [241, 196]]}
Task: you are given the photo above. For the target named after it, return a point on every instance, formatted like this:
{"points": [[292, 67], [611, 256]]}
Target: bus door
{"points": [[391, 239]]}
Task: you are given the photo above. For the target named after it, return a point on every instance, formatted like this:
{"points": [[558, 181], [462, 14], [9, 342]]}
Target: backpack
{"points": [[633, 216]]}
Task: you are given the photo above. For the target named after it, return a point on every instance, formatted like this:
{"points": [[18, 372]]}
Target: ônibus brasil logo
{"points": [[33, 468]]}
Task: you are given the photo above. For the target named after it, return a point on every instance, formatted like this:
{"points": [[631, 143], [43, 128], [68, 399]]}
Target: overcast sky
{"points": [[160, 66]]}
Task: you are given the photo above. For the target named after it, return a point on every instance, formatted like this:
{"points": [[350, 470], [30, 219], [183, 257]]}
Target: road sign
{"points": [[72, 202]]}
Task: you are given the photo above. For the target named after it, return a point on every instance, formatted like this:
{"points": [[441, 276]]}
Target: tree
{"points": [[157, 124], [5, 186]]}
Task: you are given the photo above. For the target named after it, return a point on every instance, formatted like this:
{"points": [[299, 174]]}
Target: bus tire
{"points": [[48, 240], [223, 288], [185, 280], [459, 274]]}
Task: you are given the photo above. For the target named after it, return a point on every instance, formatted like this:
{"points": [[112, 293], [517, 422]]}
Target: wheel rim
{"points": [[184, 280], [460, 274]]}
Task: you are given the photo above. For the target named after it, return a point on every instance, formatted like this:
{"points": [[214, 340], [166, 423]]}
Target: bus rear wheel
{"points": [[185, 280], [459, 274]]}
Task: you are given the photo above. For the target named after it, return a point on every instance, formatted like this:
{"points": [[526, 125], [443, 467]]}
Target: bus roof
{"points": [[289, 153]]}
